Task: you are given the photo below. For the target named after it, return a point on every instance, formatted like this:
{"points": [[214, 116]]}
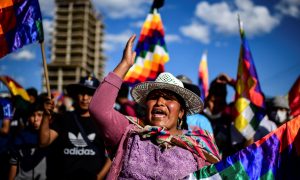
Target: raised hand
{"points": [[127, 59], [48, 106], [128, 53], [223, 78]]}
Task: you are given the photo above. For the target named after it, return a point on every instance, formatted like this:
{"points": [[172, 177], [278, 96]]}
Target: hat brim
{"points": [[193, 102], [74, 89]]}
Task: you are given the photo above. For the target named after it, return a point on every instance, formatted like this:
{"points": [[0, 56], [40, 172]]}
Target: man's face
{"points": [[84, 99]]}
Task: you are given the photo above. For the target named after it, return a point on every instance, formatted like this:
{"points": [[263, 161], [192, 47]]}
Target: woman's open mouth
{"points": [[158, 113]]}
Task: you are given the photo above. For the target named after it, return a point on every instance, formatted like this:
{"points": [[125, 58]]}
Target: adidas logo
{"points": [[78, 140], [80, 145], [79, 151]]}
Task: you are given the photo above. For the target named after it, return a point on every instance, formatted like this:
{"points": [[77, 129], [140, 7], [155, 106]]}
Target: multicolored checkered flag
{"points": [[249, 99], [203, 76], [20, 24], [151, 51], [275, 156]]}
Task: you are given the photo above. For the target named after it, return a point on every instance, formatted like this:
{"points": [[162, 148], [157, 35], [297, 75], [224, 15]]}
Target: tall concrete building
{"points": [[76, 44]]}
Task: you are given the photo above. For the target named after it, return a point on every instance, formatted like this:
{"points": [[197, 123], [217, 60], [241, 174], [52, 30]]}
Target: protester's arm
{"points": [[224, 78], [12, 172], [4, 130], [7, 117], [47, 135], [13, 163], [102, 174], [111, 122]]}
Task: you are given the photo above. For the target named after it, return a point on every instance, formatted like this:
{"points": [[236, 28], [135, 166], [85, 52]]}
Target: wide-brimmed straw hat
{"points": [[167, 81], [87, 84]]}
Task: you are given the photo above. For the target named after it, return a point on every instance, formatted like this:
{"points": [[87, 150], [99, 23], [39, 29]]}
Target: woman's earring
{"points": [[179, 123]]}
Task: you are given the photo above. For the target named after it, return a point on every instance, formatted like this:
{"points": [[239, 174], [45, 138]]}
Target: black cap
{"points": [[32, 92], [86, 84], [188, 84]]}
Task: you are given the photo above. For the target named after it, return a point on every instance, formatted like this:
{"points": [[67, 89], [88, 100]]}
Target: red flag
{"points": [[294, 98]]}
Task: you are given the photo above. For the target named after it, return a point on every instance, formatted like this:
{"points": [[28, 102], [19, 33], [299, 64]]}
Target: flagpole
{"points": [[45, 69], [241, 28]]}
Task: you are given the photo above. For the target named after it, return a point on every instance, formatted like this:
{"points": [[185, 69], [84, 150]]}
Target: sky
{"points": [[191, 27]]}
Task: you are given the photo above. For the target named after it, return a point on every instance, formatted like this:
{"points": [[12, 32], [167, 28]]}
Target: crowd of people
{"points": [[166, 132]]}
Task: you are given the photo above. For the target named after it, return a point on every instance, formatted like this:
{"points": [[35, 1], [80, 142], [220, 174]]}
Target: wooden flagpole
{"points": [[45, 69]]}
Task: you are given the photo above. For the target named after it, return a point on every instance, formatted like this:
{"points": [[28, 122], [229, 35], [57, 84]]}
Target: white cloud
{"points": [[108, 46], [217, 14], [196, 31], [123, 8], [172, 38], [113, 42], [223, 19], [118, 38], [137, 24], [26, 55], [257, 19], [289, 7]]}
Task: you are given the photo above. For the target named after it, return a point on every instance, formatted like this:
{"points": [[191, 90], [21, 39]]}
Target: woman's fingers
{"points": [[129, 54], [127, 59]]}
